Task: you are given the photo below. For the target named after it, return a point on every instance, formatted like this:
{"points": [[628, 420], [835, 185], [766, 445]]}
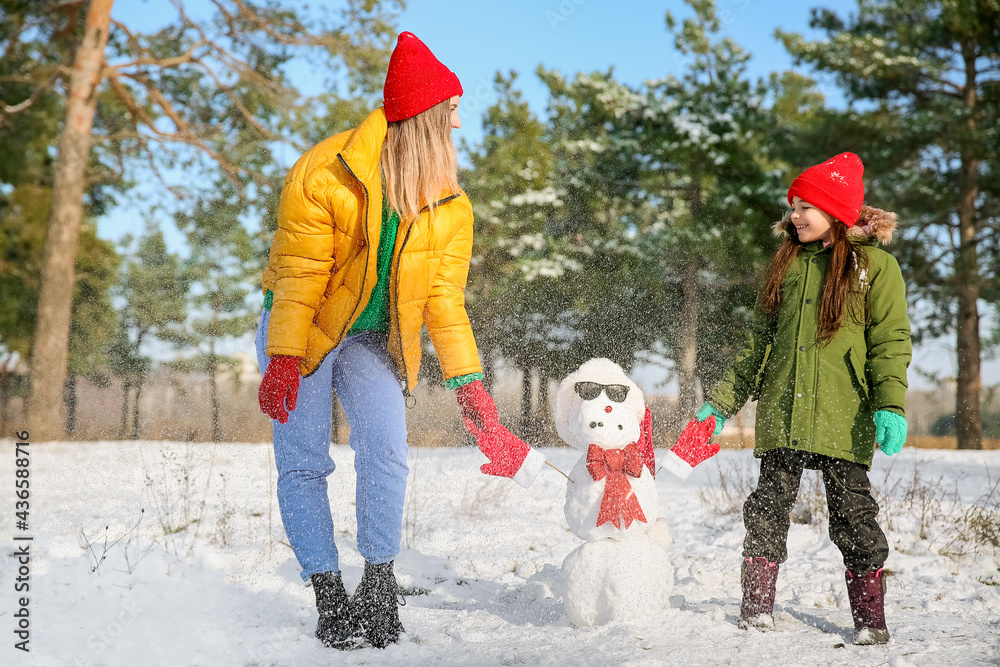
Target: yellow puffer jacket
{"points": [[322, 267]]}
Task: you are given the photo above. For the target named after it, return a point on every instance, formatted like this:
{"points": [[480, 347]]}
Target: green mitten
{"points": [[890, 431], [708, 410]]}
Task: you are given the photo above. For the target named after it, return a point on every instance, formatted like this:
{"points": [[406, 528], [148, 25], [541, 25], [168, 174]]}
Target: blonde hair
{"points": [[418, 161]]}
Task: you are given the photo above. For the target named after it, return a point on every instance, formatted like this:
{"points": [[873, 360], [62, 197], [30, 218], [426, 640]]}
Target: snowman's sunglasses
{"points": [[588, 391]]}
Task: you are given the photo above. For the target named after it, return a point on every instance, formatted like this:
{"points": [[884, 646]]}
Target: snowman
{"points": [[621, 572]]}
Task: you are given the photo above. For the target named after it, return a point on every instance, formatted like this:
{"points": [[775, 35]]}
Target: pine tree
{"points": [[709, 178], [515, 292], [223, 271], [154, 286]]}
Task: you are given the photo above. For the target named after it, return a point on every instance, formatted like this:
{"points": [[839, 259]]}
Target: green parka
{"points": [[822, 397]]}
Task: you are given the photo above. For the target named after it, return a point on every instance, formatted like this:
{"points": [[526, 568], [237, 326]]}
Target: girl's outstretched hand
{"points": [[693, 447], [706, 411], [890, 431]]}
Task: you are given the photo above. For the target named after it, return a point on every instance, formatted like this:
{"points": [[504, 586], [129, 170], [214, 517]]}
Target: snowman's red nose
{"points": [[607, 409]]}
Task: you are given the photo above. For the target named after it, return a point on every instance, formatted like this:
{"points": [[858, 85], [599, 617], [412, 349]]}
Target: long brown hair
{"points": [[843, 291], [418, 161]]}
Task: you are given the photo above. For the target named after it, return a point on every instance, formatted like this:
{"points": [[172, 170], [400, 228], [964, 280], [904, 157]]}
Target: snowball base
{"points": [[610, 580]]}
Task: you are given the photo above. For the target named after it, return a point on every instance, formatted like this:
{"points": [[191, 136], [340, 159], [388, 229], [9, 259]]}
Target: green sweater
{"points": [[375, 316]]}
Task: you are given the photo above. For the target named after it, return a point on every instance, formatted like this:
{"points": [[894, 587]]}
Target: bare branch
{"points": [[232, 171], [167, 107], [249, 117], [173, 189], [163, 63], [246, 71], [243, 69], [307, 38], [125, 96], [6, 109], [132, 39], [925, 225], [933, 260]]}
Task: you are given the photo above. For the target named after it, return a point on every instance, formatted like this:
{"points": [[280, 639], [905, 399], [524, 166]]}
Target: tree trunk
{"points": [[968, 343], [544, 412], [135, 410], [55, 296], [213, 387], [687, 363], [123, 427], [71, 401], [969, 383], [525, 401]]}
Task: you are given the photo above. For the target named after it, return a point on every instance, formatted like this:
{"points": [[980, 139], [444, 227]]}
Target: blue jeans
{"points": [[361, 372]]}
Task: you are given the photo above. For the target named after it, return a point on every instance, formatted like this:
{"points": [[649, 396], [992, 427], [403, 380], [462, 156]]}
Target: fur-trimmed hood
{"points": [[874, 224]]}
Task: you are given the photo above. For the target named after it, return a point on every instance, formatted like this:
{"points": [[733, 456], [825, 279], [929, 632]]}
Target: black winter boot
{"points": [[336, 625], [867, 595], [760, 577], [375, 605]]}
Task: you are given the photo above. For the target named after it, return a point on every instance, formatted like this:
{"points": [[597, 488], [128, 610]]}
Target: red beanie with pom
{"points": [[834, 187], [416, 80]]}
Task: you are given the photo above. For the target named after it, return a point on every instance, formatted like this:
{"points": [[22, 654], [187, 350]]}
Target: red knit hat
{"points": [[416, 80], [834, 187]]}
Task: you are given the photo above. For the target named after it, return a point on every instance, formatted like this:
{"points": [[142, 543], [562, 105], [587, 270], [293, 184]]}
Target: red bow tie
{"points": [[619, 502]]}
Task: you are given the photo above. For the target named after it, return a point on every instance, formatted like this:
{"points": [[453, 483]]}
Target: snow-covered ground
{"points": [[187, 565]]}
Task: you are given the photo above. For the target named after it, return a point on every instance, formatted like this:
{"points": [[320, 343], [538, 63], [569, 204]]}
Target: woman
{"points": [[374, 240]]}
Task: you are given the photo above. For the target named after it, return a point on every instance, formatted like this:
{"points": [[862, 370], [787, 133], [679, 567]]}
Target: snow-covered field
{"points": [[186, 565]]}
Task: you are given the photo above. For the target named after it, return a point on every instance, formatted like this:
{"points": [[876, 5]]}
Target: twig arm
{"points": [[559, 471]]}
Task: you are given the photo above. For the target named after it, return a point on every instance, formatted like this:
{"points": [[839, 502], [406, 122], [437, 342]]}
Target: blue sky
{"points": [[477, 39]]}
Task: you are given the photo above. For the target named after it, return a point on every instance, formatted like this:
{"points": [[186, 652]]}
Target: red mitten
{"points": [[279, 387], [477, 405], [509, 456], [692, 447], [646, 442]]}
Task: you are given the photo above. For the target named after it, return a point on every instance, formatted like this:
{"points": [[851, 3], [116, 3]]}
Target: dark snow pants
{"points": [[853, 527]]}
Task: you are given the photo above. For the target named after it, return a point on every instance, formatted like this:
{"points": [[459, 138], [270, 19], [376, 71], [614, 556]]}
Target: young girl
{"points": [[826, 356], [374, 240]]}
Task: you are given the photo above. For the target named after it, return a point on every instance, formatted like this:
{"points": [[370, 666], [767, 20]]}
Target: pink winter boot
{"points": [[867, 595], [760, 577]]}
